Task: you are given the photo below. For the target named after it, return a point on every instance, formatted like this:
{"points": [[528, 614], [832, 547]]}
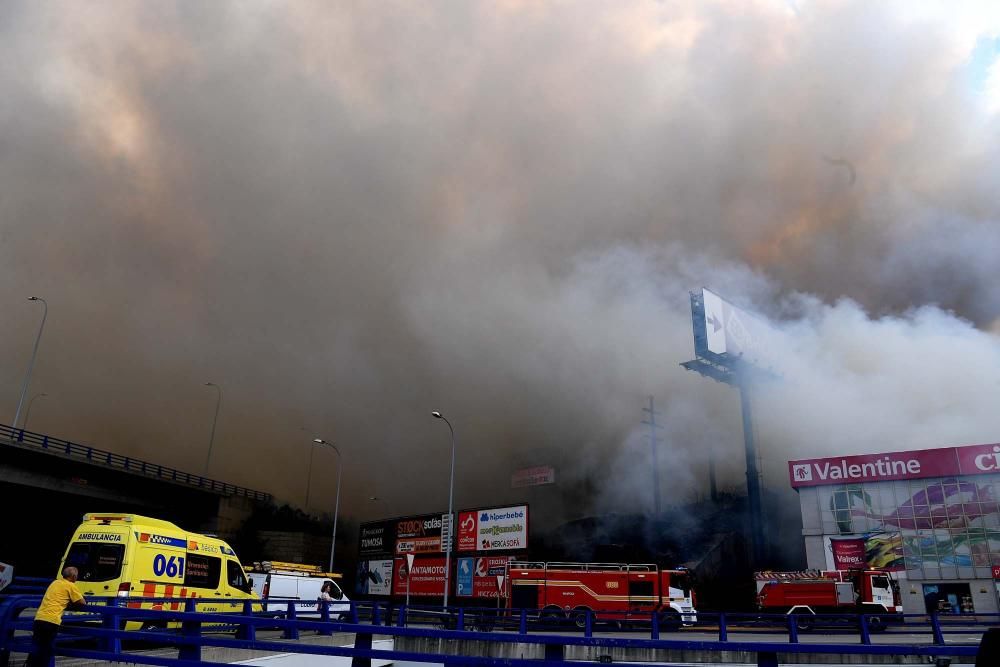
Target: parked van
{"points": [[128, 555], [278, 583]]}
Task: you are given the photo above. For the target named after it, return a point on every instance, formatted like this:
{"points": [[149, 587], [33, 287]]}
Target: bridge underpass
{"points": [[47, 484]]}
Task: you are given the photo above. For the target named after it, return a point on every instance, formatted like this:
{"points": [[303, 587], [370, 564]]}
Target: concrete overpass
{"points": [[47, 484]]}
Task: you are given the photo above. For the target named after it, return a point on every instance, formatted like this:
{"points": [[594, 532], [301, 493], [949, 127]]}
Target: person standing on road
{"points": [[324, 595], [62, 594]]}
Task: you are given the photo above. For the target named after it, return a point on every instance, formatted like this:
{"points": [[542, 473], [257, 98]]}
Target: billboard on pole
{"points": [[733, 334]]}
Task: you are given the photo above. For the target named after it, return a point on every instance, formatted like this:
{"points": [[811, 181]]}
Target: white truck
{"points": [[279, 583]]}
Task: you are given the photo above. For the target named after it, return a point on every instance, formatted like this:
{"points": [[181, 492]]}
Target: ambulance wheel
{"points": [[670, 620]]}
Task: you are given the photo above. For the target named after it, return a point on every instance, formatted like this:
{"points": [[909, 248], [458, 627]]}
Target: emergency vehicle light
{"points": [[107, 518]]}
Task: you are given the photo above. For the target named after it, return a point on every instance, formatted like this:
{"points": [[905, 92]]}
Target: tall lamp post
{"points": [[336, 507], [215, 420], [451, 495], [27, 413], [312, 449], [31, 364]]}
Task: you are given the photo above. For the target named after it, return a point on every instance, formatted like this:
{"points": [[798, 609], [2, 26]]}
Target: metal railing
{"points": [[64, 448], [191, 631], [27, 586]]}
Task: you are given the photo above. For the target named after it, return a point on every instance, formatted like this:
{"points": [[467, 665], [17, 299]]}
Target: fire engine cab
{"points": [[614, 592], [810, 592]]}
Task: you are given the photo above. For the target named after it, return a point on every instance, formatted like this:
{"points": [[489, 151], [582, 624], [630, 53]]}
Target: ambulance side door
{"points": [[158, 570], [203, 578]]}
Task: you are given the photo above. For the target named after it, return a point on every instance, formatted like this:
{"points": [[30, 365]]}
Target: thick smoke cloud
{"points": [[347, 216]]}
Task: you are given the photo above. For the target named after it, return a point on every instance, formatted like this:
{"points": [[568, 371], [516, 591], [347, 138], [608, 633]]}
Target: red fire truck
{"points": [[614, 592], [810, 592]]}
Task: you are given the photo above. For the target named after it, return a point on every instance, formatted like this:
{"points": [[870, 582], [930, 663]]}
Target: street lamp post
{"points": [[34, 353], [312, 449], [27, 413], [336, 507], [451, 495], [215, 420]]}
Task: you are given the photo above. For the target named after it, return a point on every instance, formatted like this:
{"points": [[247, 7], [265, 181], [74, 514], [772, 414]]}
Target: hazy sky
{"points": [[350, 214]]}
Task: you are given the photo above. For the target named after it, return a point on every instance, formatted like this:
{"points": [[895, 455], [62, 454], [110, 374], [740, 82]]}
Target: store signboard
{"points": [[495, 529]]}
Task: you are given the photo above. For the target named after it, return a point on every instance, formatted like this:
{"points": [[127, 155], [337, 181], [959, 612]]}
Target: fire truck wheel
{"points": [[580, 617], [804, 622], [552, 615], [670, 620], [876, 623]]}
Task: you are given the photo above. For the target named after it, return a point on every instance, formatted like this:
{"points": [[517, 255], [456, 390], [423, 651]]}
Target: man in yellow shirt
{"points": [[60, 595]]}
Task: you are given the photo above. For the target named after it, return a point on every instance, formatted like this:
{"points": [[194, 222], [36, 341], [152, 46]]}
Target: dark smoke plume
{"points": [[348, 215]]}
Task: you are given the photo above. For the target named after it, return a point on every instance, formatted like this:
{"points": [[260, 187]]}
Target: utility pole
{"points": [[759, 539], [651, 422]]}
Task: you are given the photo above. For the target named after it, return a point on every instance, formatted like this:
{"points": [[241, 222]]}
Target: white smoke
{"points": [[349, 216]]}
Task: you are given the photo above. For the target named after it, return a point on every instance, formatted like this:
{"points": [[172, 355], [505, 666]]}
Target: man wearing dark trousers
{"points": [[62, 594]]}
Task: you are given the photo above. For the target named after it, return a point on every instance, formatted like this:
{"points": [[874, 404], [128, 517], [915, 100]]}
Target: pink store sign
{"points": [[944, 462]]}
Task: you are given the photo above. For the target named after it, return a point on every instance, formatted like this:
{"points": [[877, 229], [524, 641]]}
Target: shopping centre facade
{"points": [[931, 516]]}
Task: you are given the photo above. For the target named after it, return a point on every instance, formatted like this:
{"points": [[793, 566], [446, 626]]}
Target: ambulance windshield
{"points": [[96, 562]]}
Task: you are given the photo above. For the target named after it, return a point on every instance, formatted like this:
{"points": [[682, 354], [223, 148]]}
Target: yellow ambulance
{"points": [[127, 555]]}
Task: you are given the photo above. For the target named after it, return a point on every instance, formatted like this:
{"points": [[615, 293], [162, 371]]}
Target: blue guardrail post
{"points": [[324, 615], [191, 631], [555, 652], [291, 631], [112, 621], [247, 631], [362, 640], [866, 637], [767, 659], [936, 628]]}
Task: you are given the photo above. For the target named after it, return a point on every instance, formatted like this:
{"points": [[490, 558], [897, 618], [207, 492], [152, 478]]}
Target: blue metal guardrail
{"points": [[27, 586], [99, 634], [64, 448]]}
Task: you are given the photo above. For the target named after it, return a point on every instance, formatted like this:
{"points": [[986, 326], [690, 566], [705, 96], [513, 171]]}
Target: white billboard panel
{"points": [[739, 334], [715, 319]]}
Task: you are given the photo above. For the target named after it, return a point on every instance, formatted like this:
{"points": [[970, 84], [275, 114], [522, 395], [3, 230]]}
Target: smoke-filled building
{"points": [[931, 515]]}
